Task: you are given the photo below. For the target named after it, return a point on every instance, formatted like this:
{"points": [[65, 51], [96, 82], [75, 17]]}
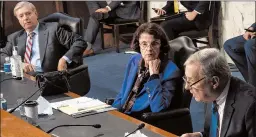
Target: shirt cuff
{"points": [[109, 9], [197, 12], [67, 59], [154, 76]]}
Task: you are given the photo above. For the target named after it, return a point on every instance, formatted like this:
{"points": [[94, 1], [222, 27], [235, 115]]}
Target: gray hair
{"points": [[22, 4], [212, 63]]}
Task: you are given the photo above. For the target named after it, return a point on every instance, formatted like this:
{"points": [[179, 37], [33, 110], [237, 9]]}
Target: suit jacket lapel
{"points": [[43, 39], [21, 44], [229, 108]]}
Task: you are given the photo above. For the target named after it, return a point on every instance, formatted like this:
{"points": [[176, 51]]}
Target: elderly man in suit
{"points": [[242, 50], [107, 10], [44, 47], [196, 18], [233, 111]]}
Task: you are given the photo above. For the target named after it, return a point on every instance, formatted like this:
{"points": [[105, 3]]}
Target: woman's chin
{"points": [[149, 58]]}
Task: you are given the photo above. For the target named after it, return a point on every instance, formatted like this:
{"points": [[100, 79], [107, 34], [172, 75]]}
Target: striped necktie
{"points": [[29, 45], [214, 129]]}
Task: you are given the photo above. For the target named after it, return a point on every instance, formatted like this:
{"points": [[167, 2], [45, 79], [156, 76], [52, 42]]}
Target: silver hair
{"points": [[212, 63], [22, 4]]}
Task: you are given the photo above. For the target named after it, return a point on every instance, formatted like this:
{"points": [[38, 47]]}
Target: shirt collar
{"points": [[224, 94], [36, 29]]}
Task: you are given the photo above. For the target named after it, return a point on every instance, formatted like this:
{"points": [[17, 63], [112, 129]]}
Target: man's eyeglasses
{"points": [[190, 85]]}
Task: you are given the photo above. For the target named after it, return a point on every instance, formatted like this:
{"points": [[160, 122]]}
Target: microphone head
{"points": [[97, 126], [142, 125]]}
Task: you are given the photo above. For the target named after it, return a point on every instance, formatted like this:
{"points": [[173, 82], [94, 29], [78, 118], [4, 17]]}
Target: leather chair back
{"points": [[69, 23], [181, 49]]}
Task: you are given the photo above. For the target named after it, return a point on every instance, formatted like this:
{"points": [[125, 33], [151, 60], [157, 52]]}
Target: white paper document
{"points": [[44, 107], [81, 105]]}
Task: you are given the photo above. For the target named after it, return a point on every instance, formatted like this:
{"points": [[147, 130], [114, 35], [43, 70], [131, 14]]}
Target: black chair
{"points": [[208, 33], [116, 23], [71, 24]]}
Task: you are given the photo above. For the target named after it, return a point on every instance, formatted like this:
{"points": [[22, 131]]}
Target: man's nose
{"points": [[187, 87]]}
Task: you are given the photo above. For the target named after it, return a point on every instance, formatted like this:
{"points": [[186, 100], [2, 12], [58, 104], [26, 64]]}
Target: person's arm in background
{"points": [[248, 35], [201, 7], [169, 7], [75, 45], [117, 103], [253, 27], [7, 50]]}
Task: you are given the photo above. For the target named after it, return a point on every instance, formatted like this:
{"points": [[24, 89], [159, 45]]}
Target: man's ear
{"points": [[215, 82]]}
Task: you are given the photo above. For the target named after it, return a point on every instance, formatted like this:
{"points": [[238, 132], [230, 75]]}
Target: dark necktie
{"points": [[29, 45], [214, 130]]}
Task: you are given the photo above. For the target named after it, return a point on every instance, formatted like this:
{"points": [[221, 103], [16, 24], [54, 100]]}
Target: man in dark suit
{"points": [[197, 17], [242, 50], [102, 10], [44, 47], [233, 111]]}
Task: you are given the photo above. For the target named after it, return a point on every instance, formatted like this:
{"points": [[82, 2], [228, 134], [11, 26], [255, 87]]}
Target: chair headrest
{"points": [[64, 20], [180, 49]]}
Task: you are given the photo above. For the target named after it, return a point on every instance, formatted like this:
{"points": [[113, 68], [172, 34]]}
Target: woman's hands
{"points": [[154, 66]]}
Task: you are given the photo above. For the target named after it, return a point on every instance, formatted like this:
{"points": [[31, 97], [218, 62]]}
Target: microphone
{"points": [[95, 126], [142, 125]]}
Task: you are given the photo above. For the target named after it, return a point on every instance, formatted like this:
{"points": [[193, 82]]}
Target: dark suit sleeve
{"points": [[202, 6], [114, 4], [169, 7], [250, 120], [7, 50], [73, 42], [253, 26]]}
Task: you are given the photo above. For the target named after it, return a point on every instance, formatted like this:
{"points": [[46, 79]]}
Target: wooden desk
{"points": [[12, 126]]}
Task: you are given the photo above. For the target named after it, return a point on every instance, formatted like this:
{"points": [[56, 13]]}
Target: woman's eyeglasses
{"points": [[190, 85], [153, 45]]}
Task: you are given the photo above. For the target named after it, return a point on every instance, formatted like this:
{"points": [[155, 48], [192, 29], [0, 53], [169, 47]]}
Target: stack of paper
{"points": [[81, 105]]}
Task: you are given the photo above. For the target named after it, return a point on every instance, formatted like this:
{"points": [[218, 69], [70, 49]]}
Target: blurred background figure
{"points": [[197, 17], [107, 10], [242, 50]]}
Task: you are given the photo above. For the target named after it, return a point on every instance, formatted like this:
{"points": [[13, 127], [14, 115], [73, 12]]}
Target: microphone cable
{"points": [[95, 126], [6, 79]]}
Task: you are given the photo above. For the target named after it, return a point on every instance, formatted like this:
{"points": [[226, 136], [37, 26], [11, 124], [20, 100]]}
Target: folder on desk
{"points": [[81, 106]]}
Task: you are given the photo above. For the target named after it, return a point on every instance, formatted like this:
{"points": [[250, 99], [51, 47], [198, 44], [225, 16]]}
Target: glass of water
{"points": [[21, 108]]}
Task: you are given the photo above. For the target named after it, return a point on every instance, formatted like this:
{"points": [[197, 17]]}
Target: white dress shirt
{"points": [[35, 53], [221, 101]]}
